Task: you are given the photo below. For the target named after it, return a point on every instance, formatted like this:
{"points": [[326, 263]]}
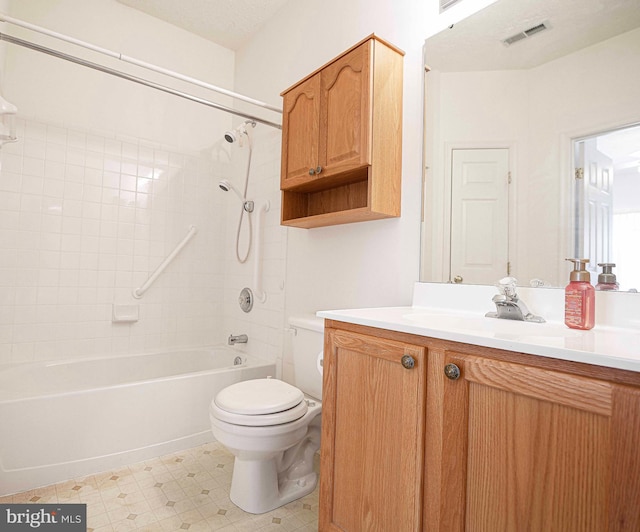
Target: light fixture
{"points": [[8, 113]]}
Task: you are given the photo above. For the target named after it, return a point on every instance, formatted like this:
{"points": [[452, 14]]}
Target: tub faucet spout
{"points": [[240, 339], [509, 306]]}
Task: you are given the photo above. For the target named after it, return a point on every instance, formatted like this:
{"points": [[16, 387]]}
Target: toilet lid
{"points": [[258, 397]]}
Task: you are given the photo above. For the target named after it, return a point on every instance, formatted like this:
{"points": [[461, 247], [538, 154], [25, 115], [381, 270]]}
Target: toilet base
{"points": [[255, 487]]}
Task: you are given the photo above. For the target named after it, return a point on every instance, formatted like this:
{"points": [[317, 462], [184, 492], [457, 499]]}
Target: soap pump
{"points": [[607, 279], [579, 297]]}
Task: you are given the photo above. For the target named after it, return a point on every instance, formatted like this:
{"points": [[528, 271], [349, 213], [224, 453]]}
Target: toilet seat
{"points": [[258, 403]]}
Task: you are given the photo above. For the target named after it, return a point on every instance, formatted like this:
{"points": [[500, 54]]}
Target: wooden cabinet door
{"points": [[372, 435], [345, 111], [300, 132], [516, 448]]}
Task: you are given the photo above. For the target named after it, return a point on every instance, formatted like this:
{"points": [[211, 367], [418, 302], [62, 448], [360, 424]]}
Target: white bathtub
{"points": [[68, 419]]}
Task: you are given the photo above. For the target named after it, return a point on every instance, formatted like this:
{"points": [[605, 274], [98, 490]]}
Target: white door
{"points": [[479, 215], [594, 186]]}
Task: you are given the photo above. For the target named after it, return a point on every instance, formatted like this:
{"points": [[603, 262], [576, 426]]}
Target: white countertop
{"points": [[604, 345]]}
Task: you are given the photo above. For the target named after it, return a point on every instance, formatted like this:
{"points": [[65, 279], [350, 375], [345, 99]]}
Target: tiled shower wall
{"points": [[85, 217]]}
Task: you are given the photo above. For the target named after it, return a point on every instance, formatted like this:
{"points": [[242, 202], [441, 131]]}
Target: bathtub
{"points": [[73, 418]]}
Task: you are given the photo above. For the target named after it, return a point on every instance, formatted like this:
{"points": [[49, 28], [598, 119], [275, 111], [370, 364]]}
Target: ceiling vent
{"points": [[526, 33], [446, 4]]}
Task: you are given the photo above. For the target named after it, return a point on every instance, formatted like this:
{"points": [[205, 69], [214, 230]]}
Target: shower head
{"points": [[236, 134], [226, 186], [247, 205]]}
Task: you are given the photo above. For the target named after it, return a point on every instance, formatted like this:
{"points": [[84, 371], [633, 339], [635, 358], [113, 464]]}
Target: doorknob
{"points": [[458, 279]]}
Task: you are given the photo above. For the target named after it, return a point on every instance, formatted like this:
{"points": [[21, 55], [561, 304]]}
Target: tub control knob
{"points": [[245, 300]]}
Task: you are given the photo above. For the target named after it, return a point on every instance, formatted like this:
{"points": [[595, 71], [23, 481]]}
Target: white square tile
{"points": [[56, 135], [55, 153], [9, 220], [9, 201], [10, 182], [76, 157], [93, 176], [76, 139], [54, 169], [34, 148], [94, 160], [53, 187], [95, 143], [32, 185], [73, 190], [32, 166], [30, 203]]}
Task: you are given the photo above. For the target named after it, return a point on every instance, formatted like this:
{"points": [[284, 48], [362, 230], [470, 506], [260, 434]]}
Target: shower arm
{"points": [[137, 62]]}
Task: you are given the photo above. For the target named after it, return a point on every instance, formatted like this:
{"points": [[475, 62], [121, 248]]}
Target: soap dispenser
{"points": [[607, 279], [579, 297]]}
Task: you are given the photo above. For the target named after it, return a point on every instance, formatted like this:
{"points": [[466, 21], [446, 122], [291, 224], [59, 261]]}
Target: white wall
{"points": [[534, 113]]}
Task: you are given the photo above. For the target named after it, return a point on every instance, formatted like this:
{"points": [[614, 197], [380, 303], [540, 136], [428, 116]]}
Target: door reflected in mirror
{"points": [[538, 100], [607, 202]]}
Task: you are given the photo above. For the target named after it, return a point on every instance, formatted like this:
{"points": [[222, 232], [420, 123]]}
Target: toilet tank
{"points": [[307, 343]]}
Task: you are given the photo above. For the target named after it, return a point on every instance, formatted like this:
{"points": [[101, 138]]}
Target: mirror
{"points": [[505, 127]]}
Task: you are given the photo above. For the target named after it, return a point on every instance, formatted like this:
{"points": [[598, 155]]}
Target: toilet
{"points": [[273, 428]]}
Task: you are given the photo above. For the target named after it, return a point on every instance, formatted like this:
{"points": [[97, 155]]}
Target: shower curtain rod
{"points": [[134, 61], [141, 81]]}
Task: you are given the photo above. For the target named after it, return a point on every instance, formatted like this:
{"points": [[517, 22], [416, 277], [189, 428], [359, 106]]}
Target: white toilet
{"points": [[273, 428]]}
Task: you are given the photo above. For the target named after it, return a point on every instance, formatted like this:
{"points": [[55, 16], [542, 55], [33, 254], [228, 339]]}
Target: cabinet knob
{"points": [[408, 361], [318, 169], [458, 279], [452, 372], [312, 171]]}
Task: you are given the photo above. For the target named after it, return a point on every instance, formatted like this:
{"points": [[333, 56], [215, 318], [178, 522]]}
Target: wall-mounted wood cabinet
{"points": [[471, 438], [342, 139]]}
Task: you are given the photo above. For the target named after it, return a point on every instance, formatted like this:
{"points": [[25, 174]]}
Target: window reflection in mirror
{"points": [[533, 100]]}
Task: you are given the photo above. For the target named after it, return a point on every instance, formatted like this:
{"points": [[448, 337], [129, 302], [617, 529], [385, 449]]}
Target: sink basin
{"points": [[474, 324]]}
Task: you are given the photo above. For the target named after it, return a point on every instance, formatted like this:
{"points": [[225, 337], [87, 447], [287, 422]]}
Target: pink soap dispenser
{"points": [[579, 297]]}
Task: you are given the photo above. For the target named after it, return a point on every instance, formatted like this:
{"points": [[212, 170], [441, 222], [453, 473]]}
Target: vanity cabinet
{"points": [[509, 441], [342, 139], [372, 434], [527, 448]]}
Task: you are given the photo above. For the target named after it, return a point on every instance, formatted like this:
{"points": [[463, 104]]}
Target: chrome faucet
{"points": [[240, 339], [509, 306]]}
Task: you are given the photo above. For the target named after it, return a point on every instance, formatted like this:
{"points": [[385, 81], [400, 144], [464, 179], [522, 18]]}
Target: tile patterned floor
{"points": [[188, 490]]}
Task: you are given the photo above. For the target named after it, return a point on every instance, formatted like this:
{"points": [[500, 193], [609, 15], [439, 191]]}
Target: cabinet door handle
{"points": [[452, 372], [318, 169], [408, 361], [312, 171]]}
